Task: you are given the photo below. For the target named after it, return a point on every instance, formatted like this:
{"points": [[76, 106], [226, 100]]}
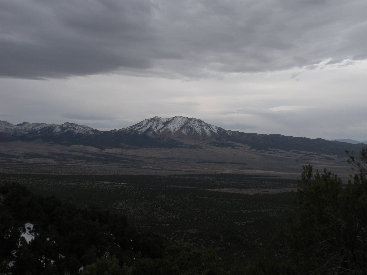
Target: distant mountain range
{"points": [[352, 141], [27, 128], [176, 131]]}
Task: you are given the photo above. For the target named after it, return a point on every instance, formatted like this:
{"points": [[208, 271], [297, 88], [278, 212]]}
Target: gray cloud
{"points": [[88, 117], [63, 38]]}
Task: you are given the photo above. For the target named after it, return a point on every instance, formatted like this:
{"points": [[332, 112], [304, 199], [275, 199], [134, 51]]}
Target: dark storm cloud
{"points": [[40, 38], [61, 38]]}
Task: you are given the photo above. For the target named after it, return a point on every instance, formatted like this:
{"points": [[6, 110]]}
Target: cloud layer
{"points": [[50, 38]]}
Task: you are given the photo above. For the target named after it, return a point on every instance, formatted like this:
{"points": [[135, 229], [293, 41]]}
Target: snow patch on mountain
{"points": [[26, 127], [177, 125], [73, 128]]}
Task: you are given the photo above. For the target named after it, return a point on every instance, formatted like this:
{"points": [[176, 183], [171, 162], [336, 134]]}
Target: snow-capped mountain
{"points": [[175, 126], [26, 128]]}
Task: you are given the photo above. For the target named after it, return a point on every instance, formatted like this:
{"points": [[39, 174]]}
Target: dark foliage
{"points": [[89, 241], [65, 237], [328, 233]]}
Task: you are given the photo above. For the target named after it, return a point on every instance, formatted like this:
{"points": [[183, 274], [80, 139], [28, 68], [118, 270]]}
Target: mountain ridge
{"points": [[28, 128], [155, 126], [175, 131]]}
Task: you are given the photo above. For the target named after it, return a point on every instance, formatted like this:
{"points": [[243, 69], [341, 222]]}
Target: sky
{"points": [[292, 67]]}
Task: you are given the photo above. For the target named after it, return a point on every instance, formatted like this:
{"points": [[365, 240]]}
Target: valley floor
{"points": [[26, 157]]}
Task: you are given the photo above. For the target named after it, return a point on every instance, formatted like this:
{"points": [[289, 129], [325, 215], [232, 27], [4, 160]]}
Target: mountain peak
{"points": [[178, 125]]}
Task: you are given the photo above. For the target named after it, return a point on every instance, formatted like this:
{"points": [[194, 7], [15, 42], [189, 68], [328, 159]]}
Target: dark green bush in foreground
{"points": [[328, 233]]}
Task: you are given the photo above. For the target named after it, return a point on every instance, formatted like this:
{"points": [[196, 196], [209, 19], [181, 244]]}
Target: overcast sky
{"points": [[294, 67]]}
